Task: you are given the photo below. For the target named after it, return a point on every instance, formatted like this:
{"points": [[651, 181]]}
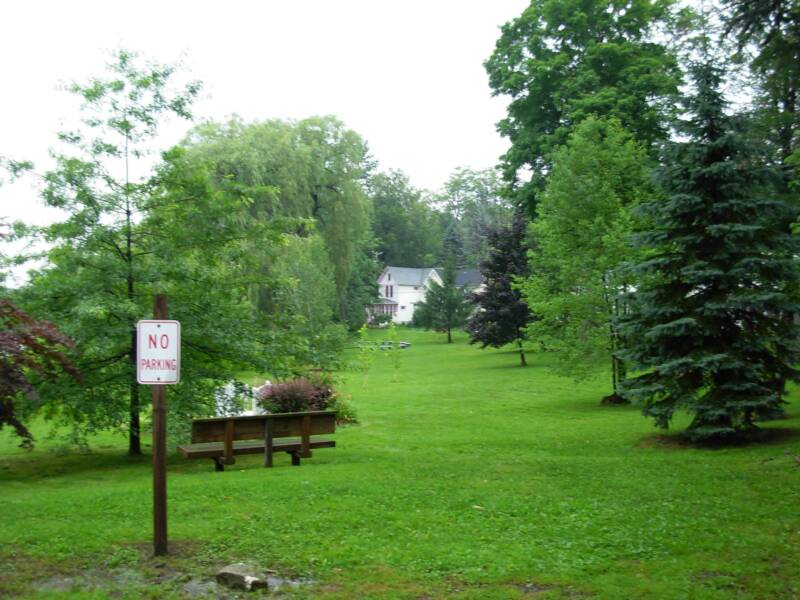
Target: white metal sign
{"points": [[158, 352]]}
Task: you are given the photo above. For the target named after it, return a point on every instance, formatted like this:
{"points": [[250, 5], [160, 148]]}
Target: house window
{"points": [[389, 290], [388, 277]]}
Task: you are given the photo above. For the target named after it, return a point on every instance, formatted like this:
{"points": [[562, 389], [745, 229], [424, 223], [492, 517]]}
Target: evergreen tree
{"points": [[501, 315], [445, 305], [707, 327]]}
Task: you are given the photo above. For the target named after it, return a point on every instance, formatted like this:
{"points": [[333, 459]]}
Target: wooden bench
{"points": [[221, 438]]}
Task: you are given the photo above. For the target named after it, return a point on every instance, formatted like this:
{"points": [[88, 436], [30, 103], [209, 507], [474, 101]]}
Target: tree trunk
{"points": [[134, 427], [449, 337], [522, 361], [134, 432]]}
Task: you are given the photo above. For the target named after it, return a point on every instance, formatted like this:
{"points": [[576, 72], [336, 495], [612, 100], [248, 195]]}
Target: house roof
{"points": [[470, 278], [408, 275]]}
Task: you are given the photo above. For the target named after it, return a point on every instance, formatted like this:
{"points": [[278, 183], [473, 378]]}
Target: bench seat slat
{"points": [[217, 449]]}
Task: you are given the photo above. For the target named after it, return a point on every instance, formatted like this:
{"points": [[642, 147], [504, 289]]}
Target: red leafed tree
{"points": [[29, 349]]}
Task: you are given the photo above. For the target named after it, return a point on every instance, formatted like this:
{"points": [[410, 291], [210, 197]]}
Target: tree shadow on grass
{"points": [[515, 366], [44, 464], [761, 437]]}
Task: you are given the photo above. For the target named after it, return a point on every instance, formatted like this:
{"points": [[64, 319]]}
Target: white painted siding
{"points": [[406, 296]]}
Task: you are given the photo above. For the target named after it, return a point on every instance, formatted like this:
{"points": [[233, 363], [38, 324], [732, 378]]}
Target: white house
{"points": [[400, 289]]}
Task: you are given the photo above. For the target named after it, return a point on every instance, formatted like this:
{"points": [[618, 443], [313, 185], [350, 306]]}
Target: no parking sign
{"points": [[158, 352]]}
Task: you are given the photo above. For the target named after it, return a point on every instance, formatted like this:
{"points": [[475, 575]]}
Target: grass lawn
{"points": [[469, 477]]}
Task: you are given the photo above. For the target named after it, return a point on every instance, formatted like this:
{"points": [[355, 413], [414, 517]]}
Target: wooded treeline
{"points": [[639, 219]]}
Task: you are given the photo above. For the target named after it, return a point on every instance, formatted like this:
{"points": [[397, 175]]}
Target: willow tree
{"points": [[313, 169]]}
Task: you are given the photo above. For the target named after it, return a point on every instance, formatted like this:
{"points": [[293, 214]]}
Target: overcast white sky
{"points": [[408, 76]]}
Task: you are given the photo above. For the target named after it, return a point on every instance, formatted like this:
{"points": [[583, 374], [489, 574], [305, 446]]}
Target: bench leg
{"points": [[295, 458], [218, 464]]}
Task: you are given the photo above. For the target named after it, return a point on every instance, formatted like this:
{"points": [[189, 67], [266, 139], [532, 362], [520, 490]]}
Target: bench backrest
{"points": [[254, 427]]}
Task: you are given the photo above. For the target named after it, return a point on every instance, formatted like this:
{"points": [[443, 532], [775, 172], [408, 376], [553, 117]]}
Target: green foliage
{"points": [[101, 251], [562, 61], [302, 291], [445, 307], [471, 203], [175, 232], [405, 226], [581, 238], [395, 352], [771, 26], [366, 354], [500, 315], [361, 289], [309, 169], [711, 324]]}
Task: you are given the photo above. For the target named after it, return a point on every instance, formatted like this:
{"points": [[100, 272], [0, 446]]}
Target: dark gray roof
{"points": [[471, 278], [408, 275]]}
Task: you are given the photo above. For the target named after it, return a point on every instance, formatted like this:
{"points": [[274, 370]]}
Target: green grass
{"points": [[470, 477]]}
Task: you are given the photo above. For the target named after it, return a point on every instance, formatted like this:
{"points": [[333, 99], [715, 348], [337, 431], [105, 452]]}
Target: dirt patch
{"points": [[535, 588], [131, 569]]}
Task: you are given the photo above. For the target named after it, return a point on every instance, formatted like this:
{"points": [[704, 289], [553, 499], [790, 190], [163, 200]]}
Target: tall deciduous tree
{"points": [[405, 226], [501, 315], [561, 61], [95, 186], [471, 203], [773, 27], [707, 328], [191, 243], [582, 237], [446, 306]]}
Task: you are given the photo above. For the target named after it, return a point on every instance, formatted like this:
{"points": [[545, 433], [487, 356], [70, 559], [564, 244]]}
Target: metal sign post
{"points": [[158, 364]]}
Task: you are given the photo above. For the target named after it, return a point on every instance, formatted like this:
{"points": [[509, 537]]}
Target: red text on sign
{"points": [[159, 364], [153, 341]]}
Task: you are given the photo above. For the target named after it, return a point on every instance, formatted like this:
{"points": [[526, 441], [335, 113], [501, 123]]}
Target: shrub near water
{"points": [[304, 394], [287, 396]]}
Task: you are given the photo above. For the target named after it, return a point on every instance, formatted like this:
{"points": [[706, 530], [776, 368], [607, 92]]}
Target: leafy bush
{"points": [[294, 395], [345, 413], [315, 392], [380, 320]]}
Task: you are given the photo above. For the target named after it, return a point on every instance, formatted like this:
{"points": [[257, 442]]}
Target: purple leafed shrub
{"points": [[313, 393], [297, 395], [28, 347]]}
